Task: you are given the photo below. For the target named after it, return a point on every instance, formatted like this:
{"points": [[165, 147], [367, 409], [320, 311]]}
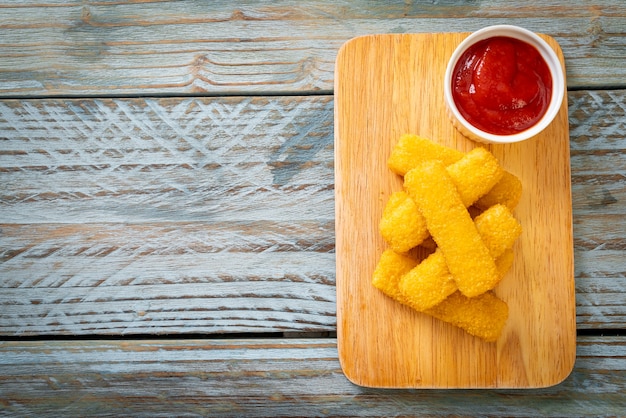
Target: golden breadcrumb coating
{"points": [[498, 229], [475, 174], [483, 316], [390, 268], [508, 191], [412, 150], [402, 226], [430, 282], [452, 228]]}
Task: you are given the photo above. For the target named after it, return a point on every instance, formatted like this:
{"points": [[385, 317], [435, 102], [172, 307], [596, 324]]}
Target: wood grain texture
{"points": [[159, 216], [108, 208], [174, 160], [273, 377], [168, 47], [598, 158], [389, 85]]}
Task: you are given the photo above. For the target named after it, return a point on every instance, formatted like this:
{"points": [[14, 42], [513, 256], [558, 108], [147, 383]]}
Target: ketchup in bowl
{"points": [[502, 85]]}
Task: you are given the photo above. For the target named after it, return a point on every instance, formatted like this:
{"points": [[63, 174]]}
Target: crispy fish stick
{"points": [[430, 282], [498, 229], [483, 316], [507, 191], [390, 268], [403, 226], [412, 150], [452, 228], [475, 174]]}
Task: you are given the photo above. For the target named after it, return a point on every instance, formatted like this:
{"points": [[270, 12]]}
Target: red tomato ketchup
{"points": [[502, 85]]}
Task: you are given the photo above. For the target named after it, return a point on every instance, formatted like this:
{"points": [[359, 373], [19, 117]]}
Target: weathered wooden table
{"points": [[167, 207]]}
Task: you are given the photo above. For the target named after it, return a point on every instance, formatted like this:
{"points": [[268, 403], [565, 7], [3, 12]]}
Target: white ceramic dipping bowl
{"points": [[551, 59]]}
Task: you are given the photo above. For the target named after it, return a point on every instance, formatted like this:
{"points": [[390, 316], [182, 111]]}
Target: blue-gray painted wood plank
{"points": [[270, 377], [194, 47]]}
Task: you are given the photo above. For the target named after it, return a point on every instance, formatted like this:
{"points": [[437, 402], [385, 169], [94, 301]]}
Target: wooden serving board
{"points": [[388, 85]]}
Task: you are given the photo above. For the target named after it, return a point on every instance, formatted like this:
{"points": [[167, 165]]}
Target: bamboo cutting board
{"points": [[388, 85]]}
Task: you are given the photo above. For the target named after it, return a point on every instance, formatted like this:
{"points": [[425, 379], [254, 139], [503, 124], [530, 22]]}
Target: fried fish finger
{"points": [[452, 228], [411, 150], [402, 226], [430, 282], [389, 270], [498, 229], [475, 174], [507, 191], [483, 316]]}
